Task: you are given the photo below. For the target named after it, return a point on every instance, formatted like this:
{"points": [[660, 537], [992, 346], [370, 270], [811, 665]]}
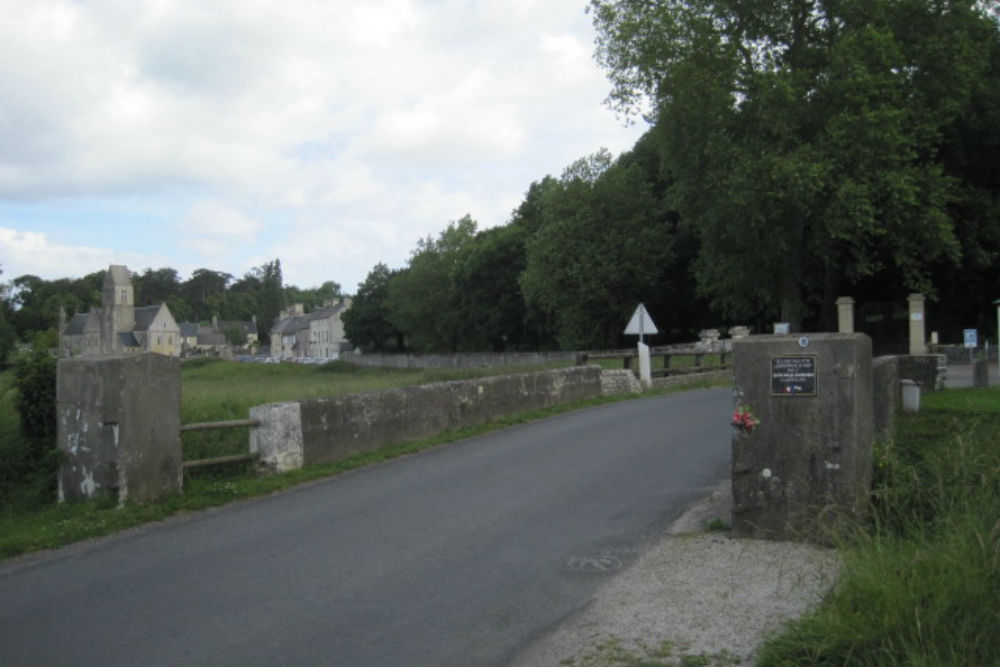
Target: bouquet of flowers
{"points": [[744, 419]]}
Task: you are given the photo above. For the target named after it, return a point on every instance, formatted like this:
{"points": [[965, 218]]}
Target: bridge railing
{"points": [[675, 360]]}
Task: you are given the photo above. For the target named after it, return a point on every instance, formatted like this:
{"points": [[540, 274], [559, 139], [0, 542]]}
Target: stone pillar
{"points": [[845, 314], [809, 457], [918, 337], [119, 426]]}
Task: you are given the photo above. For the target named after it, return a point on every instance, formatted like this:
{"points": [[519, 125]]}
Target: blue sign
{"points": [[971, 338]]}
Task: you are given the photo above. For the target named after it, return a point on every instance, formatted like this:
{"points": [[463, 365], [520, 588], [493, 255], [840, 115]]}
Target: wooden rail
{"points": [[209, 426], [219, 460], [667, 353]]}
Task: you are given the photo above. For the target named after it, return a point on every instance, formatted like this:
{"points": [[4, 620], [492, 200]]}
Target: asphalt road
{"points": [[456, 556]]}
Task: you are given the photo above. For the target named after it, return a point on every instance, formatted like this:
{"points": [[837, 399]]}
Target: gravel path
{"points": [[698, 597]]}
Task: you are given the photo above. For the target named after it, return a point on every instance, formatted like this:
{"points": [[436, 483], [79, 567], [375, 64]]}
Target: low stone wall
{"points": [[619, 382], [693, 378], [471, 360], [330, 429]]}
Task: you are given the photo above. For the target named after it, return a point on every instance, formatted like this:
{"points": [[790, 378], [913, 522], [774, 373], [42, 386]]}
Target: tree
{"points": [[8, 337], [603, 246], [489, 298], [422, 301], [802, 138], [366, 322]]}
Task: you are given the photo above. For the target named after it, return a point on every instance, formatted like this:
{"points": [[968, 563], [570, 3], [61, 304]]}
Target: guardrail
{"points": [[219, 460], [667, 354]]}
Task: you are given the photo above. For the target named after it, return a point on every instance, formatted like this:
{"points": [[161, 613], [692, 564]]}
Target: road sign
{"points": [[641, 323], [971, 338]]}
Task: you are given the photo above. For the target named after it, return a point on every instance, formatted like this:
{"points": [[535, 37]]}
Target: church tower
{"points": [[118, 312]]}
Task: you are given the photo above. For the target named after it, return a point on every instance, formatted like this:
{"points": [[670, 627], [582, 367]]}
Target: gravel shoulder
{"points": [[697, 596]]}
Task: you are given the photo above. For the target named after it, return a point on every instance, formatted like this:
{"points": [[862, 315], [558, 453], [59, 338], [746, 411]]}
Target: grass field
{"points": [[921, 583]]}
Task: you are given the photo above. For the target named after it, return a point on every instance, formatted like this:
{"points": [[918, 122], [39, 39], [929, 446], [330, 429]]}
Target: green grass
{"points": [[225, 390], [216, 390], [921, 581]]}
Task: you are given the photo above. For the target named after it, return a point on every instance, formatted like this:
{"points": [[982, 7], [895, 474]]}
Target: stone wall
{"points": [[471, 360], [330, 429]]}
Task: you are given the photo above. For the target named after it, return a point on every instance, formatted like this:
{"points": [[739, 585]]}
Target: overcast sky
{"points": [[331, 134]]}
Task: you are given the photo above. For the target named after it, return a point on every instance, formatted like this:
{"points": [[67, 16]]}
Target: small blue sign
{"points": [[971, 338]]}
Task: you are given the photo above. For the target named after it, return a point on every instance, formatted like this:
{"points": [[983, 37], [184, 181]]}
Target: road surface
{"points": [[459, 555]]}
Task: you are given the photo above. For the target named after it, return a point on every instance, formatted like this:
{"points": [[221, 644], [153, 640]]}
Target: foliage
{"points": [[803, 139], [366, 323], [920, 584], [422, 301], [35, 381], [602, 247], [28, 457]]}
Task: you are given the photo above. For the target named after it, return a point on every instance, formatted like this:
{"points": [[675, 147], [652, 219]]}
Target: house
{"points": [[316, 335], [211, 338], [118, 326]]}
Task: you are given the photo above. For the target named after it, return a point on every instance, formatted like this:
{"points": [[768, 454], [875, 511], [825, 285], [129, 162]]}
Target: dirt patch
{"points": [[698, 597]]}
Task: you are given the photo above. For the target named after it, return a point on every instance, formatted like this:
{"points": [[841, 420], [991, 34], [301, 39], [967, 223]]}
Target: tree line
{"points": [[31, 305], [797, 151]]}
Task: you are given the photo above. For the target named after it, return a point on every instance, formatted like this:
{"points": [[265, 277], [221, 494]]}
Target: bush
{"points": [[35, 380], [28, 456]]}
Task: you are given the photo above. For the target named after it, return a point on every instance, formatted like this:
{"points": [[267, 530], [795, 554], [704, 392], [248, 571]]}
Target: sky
{"points": [[329, 134]]}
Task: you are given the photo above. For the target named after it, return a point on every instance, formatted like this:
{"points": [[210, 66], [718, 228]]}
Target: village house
{"points": [[316, 335], [211, 338], [118, 326]]}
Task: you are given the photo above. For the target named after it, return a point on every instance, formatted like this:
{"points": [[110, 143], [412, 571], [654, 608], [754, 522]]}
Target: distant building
{"points": [[118, 326], [211, 338], [318, 335]]}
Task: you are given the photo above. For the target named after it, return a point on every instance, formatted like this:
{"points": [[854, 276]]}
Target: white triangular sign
{"points": [[641, 323]]}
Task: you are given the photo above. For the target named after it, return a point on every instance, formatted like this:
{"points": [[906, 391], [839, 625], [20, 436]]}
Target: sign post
{"points": [[971, 342], [640, 325]]}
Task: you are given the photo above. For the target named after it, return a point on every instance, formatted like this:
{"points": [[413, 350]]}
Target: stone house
{"points": [[211, 338], [118, 326], [317, 335]]}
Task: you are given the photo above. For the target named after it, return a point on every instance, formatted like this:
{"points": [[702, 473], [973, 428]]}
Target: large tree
{"points": [[802, 138], [604, 244], [423, 301], [366, 322]]}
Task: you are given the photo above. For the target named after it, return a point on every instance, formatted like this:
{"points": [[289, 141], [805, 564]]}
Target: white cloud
{"points": [[371, 123], [36, 253]]}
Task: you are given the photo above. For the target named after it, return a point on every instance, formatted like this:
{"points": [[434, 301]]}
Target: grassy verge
{"points": [[921, 583], [53, 525]]}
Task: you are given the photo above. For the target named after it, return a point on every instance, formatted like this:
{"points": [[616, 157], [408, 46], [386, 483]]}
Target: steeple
{"points": [[118, 300]]}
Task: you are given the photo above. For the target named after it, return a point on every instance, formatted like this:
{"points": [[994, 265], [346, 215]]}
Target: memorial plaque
{"points": [[793, 375]]}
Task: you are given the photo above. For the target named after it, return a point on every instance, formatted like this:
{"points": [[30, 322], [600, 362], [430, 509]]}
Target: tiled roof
{"points": [[76, 324], [128, 339], [144, 316]]}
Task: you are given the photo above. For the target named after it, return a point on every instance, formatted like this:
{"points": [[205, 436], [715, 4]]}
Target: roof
{"points": [[249, 327], [144, 316], [291, 324], [76, 324], [189, 329], [118, 274], [128, 339]]}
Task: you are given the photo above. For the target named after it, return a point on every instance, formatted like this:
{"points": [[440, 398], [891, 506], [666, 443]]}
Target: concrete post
{"points": [[804, 456], [119, 426], [918, 337], [845, 314]]}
